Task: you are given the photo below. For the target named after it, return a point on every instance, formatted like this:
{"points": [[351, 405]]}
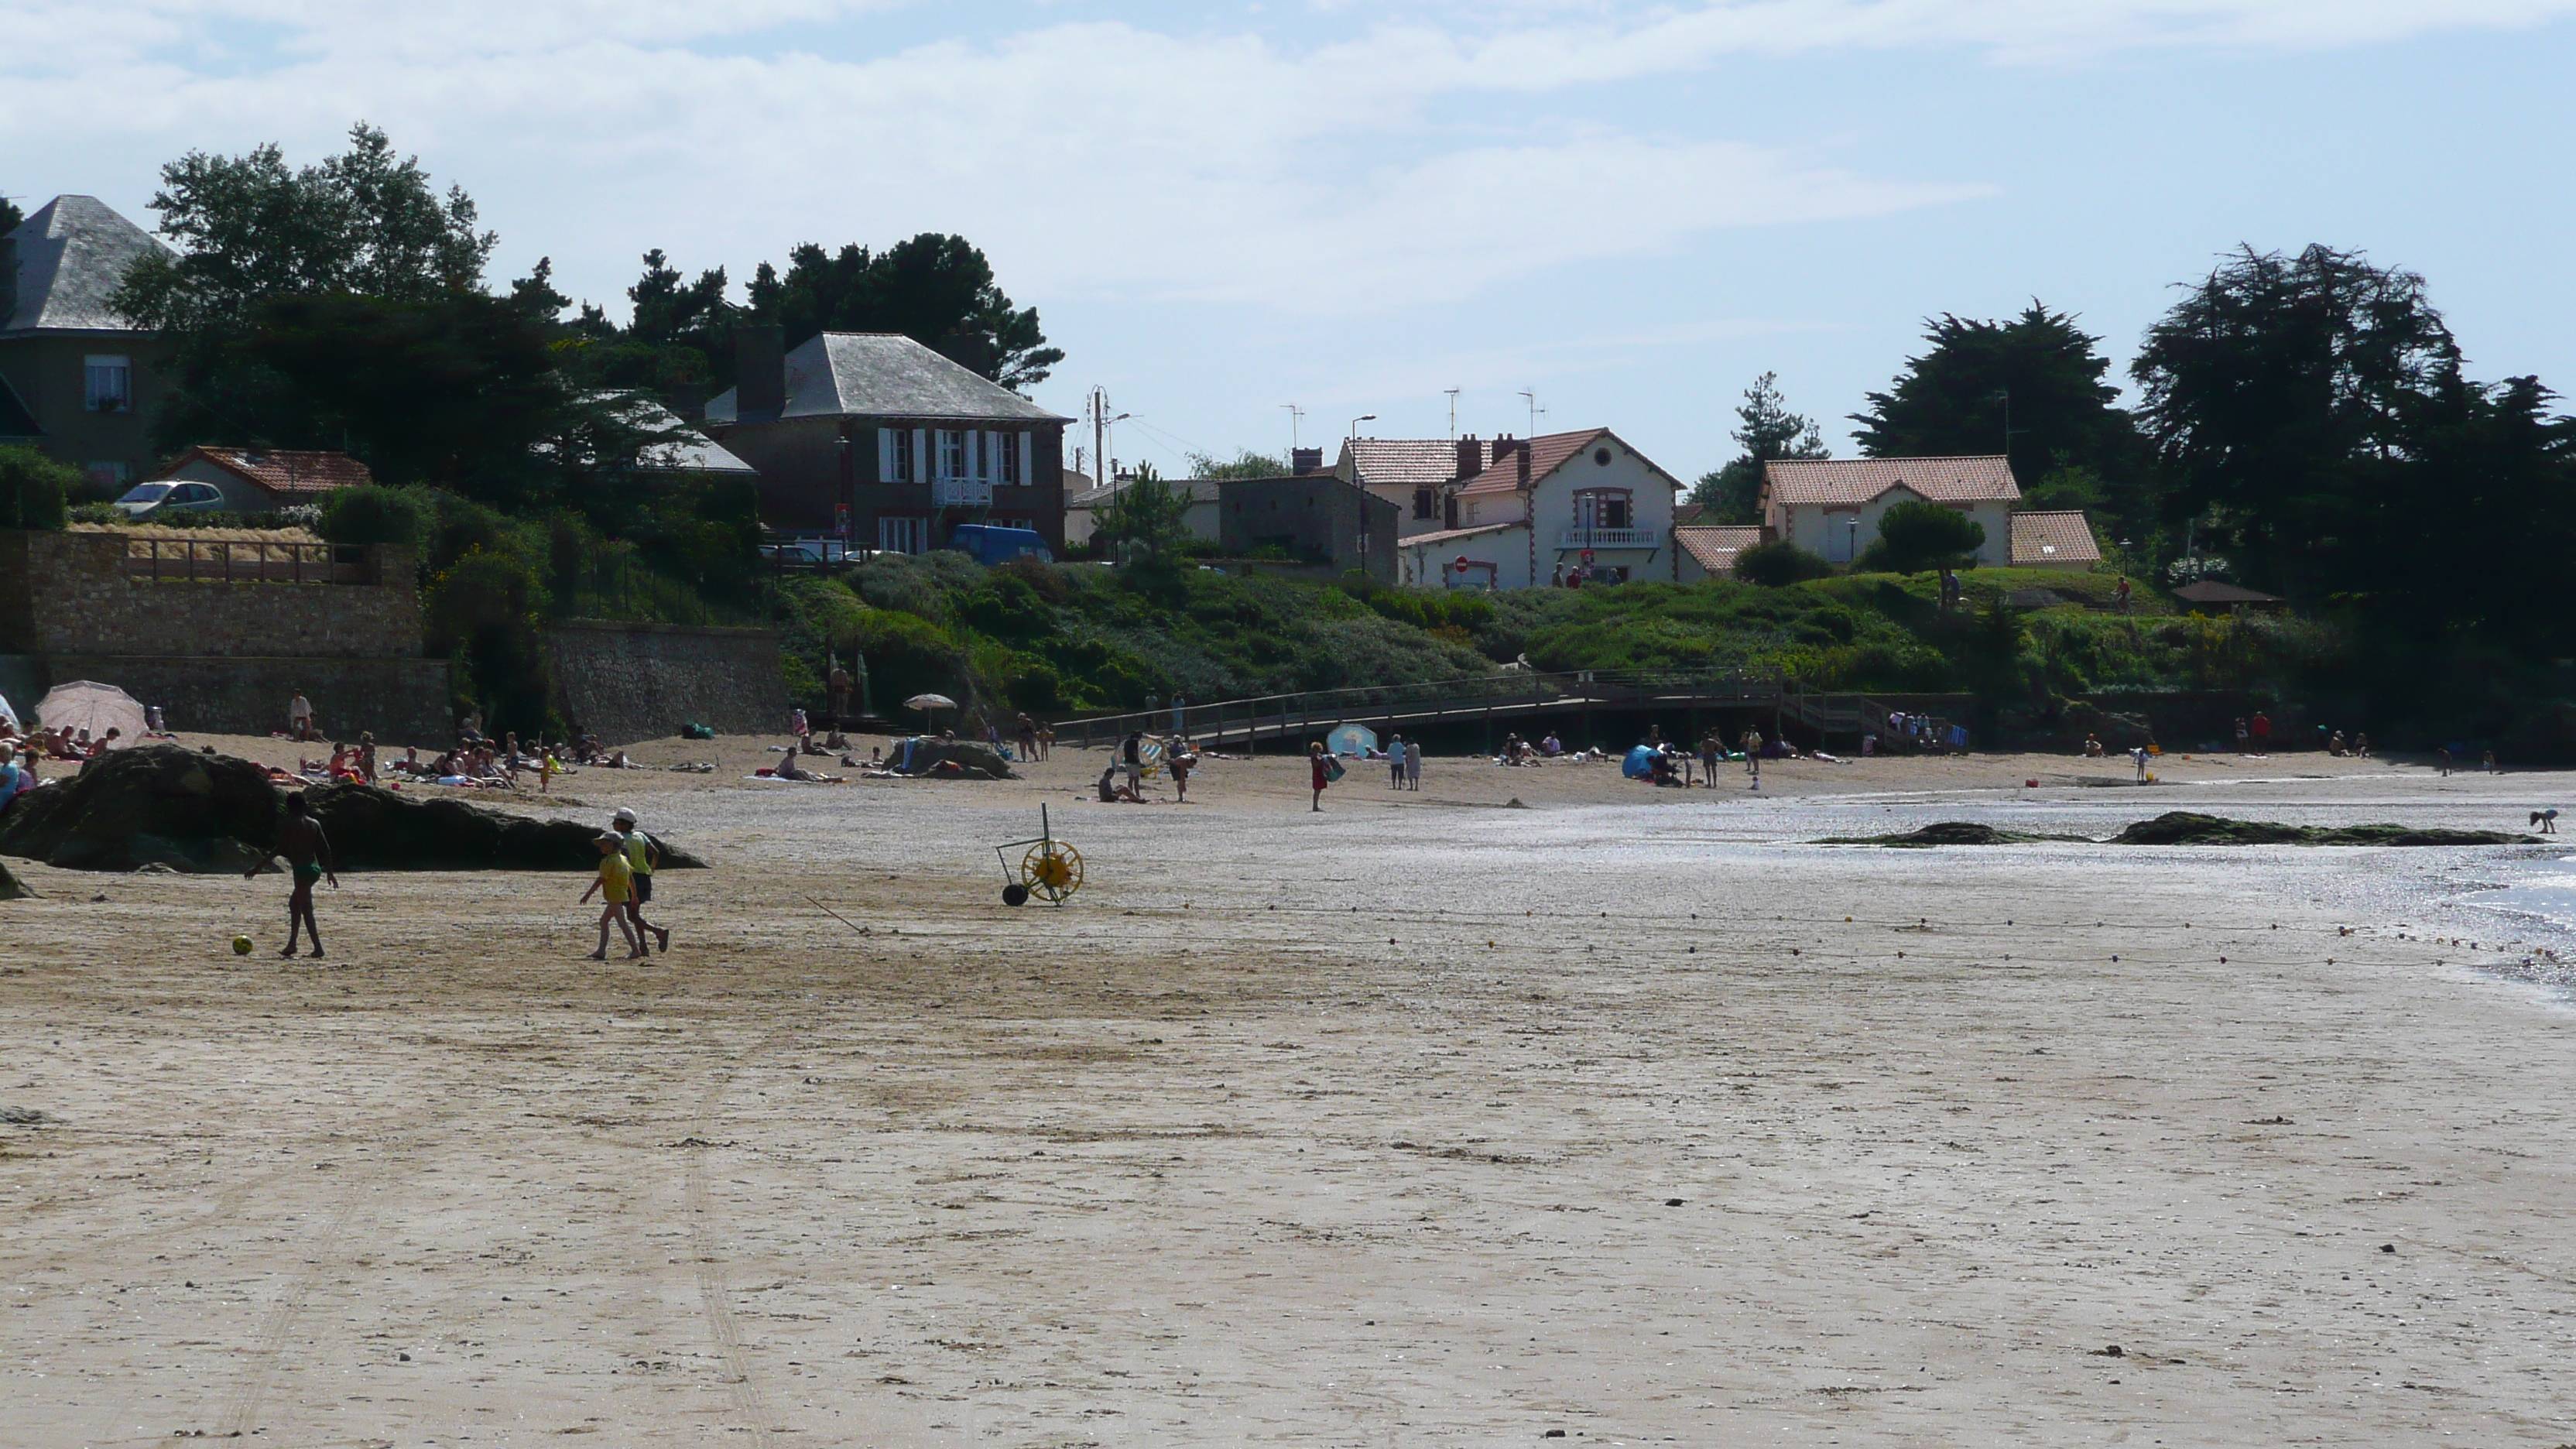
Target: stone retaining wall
{"points": [[628, 682]]}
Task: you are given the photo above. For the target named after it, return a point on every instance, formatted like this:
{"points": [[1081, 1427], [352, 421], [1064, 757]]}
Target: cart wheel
{"points": [[1015, 894], [1052, 869]]}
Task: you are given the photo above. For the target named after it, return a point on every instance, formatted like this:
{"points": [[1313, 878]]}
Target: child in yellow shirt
{"points": [[616, 882]]}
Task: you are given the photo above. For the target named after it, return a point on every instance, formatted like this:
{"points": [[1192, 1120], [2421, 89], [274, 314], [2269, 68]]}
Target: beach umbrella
{"points": [[1351, 739], [9, 716], [930, 703], [85, 704]]}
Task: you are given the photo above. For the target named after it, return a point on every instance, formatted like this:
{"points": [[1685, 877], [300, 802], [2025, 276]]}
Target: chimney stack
{"points": [[760, 372], [1302, 461], [1471, 457]]}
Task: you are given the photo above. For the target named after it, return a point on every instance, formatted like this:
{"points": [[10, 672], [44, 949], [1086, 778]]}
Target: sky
{"points": [[1627, 211]]}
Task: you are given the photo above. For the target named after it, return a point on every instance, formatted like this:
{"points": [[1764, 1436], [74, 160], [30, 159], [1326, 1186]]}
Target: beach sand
{"points": [[1624, 1113]]}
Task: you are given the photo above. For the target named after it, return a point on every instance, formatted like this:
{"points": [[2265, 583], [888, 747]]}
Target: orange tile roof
{"points": [[1973, 479], [2053, 538], [282, 471], [1714, 547], [1548, 453]]}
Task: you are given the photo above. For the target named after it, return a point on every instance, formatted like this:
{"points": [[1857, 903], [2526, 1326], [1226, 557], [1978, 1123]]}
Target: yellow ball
{"points": [[241, 945]]}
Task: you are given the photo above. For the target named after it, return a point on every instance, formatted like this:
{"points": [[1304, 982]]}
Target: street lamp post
{"points": [[1362, 418]]}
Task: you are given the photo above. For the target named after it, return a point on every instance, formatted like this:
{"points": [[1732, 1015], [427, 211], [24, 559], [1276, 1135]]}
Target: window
{"points": [[1014, 445], [953, 460], [1424, 501], [903, 535], [1602, 508], [107, 384], [894, 455]]}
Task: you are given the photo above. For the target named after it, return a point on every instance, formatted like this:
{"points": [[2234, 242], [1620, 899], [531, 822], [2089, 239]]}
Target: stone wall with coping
{"points": [[629, 682], [403, 701], [71, 593]]}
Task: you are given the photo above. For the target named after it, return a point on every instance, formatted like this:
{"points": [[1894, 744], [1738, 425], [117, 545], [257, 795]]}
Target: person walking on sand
{"points": [[1131, 756], [308, 859], [2445, 762], [2488, 766], [1395, 762], [1752, 743], [299, 716], [643, 853], [1318, 764], [2140, 756], [1177, 754], [614, 885], [1028, 734], [1413, 764]]}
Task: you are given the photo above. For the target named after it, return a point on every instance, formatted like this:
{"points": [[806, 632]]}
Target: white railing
{"points": [[961, 492], [1581, 537]]}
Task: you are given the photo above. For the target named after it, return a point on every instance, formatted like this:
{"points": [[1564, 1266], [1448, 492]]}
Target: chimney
{"points": [[1505, 445], [1471, 457], [759, 373], [1302, 461]]}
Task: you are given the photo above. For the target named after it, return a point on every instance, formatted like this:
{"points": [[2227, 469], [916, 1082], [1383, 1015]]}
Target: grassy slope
{"points": [[1072, 637]]}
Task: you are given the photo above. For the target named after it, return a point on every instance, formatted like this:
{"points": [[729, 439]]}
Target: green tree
{"points": [[249, 229], [1145, 523], [938, 290], [1779, 564], [2280, 393], [32, 489], [1245, 464], [1914, 536], [10, 216], [1765, 429], [2037, 375]]}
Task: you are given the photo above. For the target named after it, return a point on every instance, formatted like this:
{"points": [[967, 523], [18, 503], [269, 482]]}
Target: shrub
{"points": [[1914, 536], [374, 513], [32, 490], [1777, 565]]}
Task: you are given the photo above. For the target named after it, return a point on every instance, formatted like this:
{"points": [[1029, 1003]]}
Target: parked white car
{"points": [[152, 500]]}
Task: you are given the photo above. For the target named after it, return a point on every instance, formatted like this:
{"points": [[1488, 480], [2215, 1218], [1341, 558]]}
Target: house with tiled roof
{"points": [[2054, 540], [76, 379], [873, 437], [1707, 551], [1420, 476], [263, 480], [1832, 506], [1582, 504]]}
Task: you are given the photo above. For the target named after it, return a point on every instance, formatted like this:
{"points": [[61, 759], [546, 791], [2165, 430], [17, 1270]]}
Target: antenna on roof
{"points": [[1453, 412], [1294, 413], [1536, 412]]}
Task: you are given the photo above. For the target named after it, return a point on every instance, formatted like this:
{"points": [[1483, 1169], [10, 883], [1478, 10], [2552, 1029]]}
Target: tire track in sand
{"points": [[713, 1296]]}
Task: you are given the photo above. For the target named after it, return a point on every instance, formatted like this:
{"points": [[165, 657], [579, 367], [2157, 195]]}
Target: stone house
{"points": [[77, 380], [875, 438]]}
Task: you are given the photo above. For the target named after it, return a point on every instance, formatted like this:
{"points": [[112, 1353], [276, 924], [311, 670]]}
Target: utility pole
{"points": [[1453, 412], [1100, 433]]}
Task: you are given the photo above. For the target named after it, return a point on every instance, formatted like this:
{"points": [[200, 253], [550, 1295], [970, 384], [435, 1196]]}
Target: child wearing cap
{"points": [[615, 884]]}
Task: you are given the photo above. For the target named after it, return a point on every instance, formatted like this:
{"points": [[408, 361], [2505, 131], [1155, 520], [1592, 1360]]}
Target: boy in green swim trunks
{"points": [[308, 854]]}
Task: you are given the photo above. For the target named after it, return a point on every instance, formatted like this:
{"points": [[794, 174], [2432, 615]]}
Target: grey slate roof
{"points": [[887, 375], [691, 452], [1193, 490], [71, 254]]}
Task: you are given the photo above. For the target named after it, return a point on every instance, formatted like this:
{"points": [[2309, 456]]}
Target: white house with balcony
{"points": [[1833, 506], [1538, 511]]}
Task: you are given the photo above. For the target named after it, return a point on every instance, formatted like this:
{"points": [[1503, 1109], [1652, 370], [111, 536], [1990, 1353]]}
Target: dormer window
{"points": [[107, 384]]}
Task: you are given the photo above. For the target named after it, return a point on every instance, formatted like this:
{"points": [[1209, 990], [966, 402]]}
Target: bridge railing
{"points": [[1465, 696]]}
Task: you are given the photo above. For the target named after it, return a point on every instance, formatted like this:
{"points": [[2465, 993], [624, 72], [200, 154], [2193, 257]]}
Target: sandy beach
{"points": [[1537, 1102]]}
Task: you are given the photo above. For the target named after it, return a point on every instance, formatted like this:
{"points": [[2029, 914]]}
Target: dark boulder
{"points": [[163, 805], [2183, 827], [924, 755]]}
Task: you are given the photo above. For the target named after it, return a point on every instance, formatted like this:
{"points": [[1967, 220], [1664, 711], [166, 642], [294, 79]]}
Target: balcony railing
{"points": [[232, 560], [1580, 537], [961, 492]]}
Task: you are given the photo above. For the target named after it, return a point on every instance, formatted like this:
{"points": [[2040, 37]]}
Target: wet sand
{"points": [[1424, 1119]]}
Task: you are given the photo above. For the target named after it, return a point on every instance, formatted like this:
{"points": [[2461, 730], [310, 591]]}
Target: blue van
{"points": [[989, 543]]}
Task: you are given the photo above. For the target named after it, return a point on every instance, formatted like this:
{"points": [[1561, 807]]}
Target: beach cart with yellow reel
{"points": [[1048, 867]]}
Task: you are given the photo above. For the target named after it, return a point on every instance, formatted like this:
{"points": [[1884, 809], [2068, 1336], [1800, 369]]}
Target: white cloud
{"points": [[1106, 158]]}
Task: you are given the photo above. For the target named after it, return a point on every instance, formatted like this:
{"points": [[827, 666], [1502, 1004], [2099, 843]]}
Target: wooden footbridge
{"points": [[1509, 698]]}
